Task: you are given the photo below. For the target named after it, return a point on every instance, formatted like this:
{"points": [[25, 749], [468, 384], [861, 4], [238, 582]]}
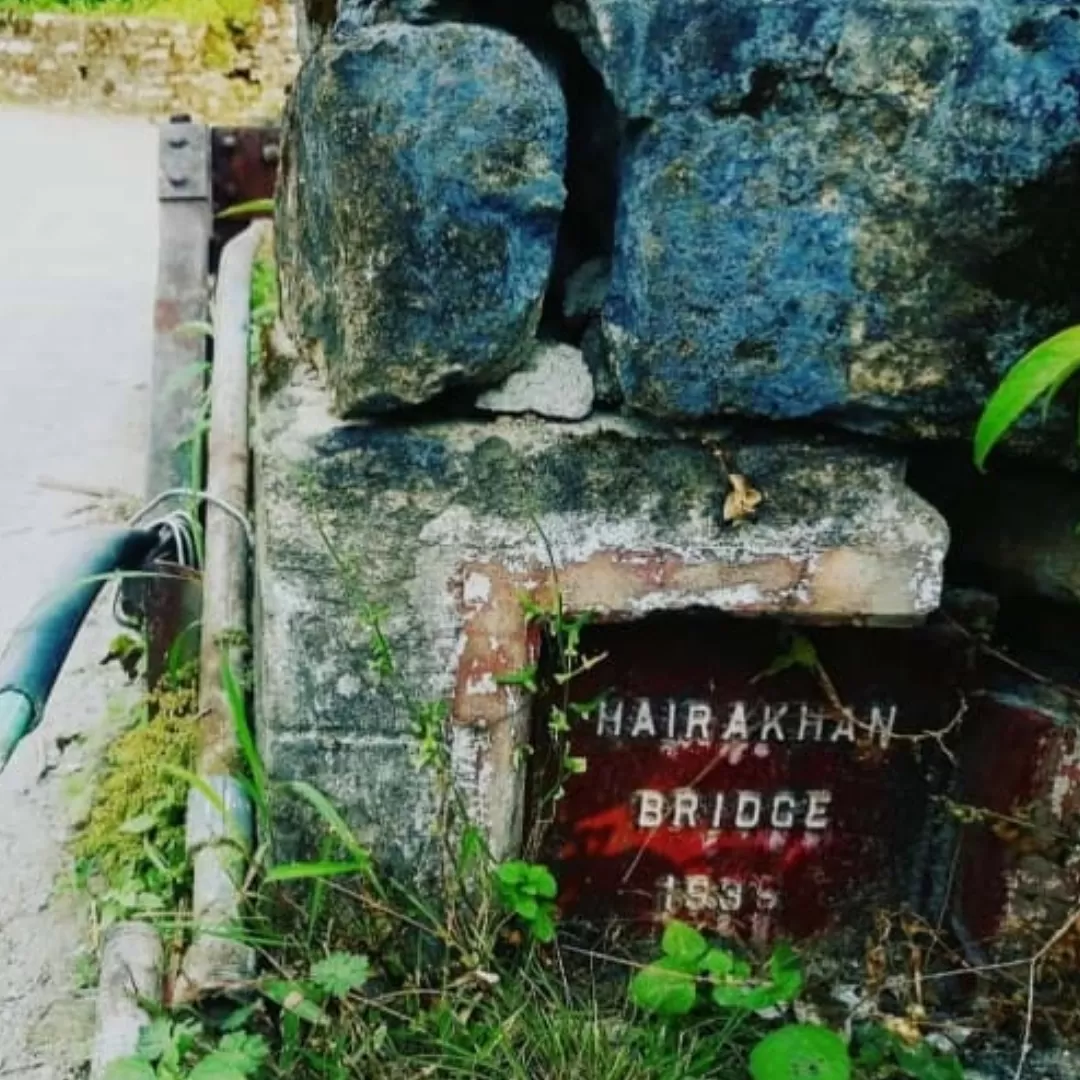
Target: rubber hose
{"points": [[31, 663]]}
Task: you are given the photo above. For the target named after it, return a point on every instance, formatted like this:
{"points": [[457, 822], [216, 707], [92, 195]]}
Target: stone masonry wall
{"points": [[730, 264], [150, 67]]}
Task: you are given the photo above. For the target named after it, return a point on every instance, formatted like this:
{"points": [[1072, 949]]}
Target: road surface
{"points": [[78, 253]]}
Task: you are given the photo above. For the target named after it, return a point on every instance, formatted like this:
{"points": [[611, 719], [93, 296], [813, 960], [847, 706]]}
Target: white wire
{"points": [[182, 528], [200, 496]]}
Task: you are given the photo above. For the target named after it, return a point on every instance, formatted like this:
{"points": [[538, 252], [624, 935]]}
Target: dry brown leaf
{"points": [[742, 500]]}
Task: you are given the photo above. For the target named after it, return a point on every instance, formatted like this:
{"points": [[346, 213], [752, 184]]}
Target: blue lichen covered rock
{"points": [[862, 210], [420, 202]]}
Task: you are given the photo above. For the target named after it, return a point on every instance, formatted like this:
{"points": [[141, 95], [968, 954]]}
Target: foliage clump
{"points": [[130, 852]]}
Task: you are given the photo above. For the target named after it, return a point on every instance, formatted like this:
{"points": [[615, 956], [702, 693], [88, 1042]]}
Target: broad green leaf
{"points": [[1042, 371], [718, 962], [801, 1052], [341, 973], [130, 1069], [683, 943], [664, 988], [543, 926], [512, 873], [526, 907], [542, 883], [251, 208]]}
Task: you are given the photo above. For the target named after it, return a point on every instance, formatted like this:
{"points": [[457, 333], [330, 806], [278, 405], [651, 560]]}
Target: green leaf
{"points": [[786, 972], [1042, 371], [543, 926], [749, 998], [341, 973], [512, 873], [292, 998], [241, 1017], [129, 1069], [801, 1052], [307, 871], [234, 696], [541, 882], [922, 1063], [251, 208], [331, 818], [684, 944], [718, 963], [156, 1040], [665, 988], [238, 1055], [525, 677], [526, 907]]}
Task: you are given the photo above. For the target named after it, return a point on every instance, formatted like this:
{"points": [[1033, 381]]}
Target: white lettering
{"points": [[667, 894], [817, 810], [718, 810], [783, 810], [698, 892], [737, 728], [699, 719], [686, 809], [808, 718], [643, 722], [882, 726], [771, 728], [768, 897], [671, 719], [748, 812], [650, 809], [609, 723], [845, 729], [731, 895]]}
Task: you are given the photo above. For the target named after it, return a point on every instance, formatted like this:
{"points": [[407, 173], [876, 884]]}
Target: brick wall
{"points": [[149, 67]]}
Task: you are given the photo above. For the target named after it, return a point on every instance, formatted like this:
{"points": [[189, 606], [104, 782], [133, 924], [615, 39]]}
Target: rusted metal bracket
{"points": [[243, 167]]}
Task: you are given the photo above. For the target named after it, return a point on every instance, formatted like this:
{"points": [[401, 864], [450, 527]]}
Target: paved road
{"points": [[78, 251]]}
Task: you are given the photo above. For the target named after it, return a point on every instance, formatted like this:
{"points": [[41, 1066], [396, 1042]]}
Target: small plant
{"points": [[528, 891], [1035, 379], [883, 1054], [670, 986], [179, 1050], [130, 855]]}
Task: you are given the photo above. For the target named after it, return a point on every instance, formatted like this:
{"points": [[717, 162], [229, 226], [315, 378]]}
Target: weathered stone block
{"points": [[421, 194], [859, 209], [445, 527]]}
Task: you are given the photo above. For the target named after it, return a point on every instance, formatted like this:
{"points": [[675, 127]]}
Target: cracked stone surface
{"points": [[78, 218]]}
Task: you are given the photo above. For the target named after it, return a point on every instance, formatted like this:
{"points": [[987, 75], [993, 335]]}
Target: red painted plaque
{"points": [[745, 801]]}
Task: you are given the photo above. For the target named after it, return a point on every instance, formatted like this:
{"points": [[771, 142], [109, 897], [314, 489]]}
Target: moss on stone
{"points": [[140, 800]]}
